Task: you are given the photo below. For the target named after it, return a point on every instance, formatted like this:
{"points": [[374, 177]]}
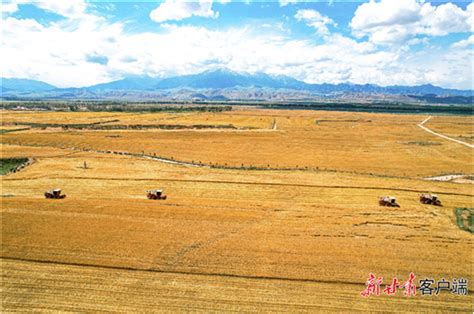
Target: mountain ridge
{"points": [[215, 80], [24, 85]]}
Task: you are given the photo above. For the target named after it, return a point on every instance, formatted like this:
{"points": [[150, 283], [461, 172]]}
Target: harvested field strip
{"points": [[204, 165], [155, 248], [302, 145], [180, 272], [249, 183], [302, 280], [35, 286]]}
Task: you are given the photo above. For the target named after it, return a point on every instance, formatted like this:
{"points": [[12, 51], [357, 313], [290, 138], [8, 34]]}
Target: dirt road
{"points": [[421, 125]]}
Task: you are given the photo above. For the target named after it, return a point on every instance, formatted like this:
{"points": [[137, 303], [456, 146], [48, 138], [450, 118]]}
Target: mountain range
{"points": [[219, 84]]}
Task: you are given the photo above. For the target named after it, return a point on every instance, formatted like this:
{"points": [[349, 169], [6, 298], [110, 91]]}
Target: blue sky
{"points": [[386, 42]]}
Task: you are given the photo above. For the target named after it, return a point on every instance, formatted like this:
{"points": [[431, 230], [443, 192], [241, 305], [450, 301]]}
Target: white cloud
{"points": [[315, 19], [464, 43], [178, 10], [85, 49], [444, 19], [68, 8], [394, 22], [385, 13], [60, 52], [286, 2], [8, 7], [445, 67]]}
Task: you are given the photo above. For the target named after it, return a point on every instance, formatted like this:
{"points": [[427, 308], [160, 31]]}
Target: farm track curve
{"points": [[178, 272], [421, 125]]}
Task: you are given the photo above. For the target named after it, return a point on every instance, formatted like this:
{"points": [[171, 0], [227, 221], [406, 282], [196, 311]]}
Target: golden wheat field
{"points": [[266, 210]]}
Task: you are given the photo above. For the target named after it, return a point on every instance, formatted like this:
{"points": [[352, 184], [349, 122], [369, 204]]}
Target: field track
{"points": [[51, 262], [83, 288], [421, 125]]}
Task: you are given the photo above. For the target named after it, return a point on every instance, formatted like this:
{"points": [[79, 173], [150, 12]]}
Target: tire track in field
{"points": [[177, 272], [421, 125], [300, 185]]}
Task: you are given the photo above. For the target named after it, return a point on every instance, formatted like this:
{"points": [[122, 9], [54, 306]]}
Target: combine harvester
{"points": [[389, 201], [430, 199], [155, 195], [54, 194]]}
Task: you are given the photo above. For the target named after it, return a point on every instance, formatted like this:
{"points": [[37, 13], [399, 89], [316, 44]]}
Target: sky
{"points": [[76, 43]]}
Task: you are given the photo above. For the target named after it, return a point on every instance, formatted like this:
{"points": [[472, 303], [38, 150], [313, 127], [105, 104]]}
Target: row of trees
{"points": [[113, 106]]}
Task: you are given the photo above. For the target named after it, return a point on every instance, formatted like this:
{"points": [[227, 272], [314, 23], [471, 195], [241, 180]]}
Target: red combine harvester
{"points": [[55, 194], [155, 195], [430, 199], [389, 201]]}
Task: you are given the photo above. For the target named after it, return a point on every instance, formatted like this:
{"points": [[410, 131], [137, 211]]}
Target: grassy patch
{"points": [[465, 219], [104, 126], [120, 106], [423, 143], [9, 164], [12, 130]]}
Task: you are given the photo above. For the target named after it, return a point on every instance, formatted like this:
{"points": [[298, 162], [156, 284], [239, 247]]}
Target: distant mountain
{"points": [[129, 83], [223, 78], [432, 98], [427, 89], [223, 85], [24, 85]]}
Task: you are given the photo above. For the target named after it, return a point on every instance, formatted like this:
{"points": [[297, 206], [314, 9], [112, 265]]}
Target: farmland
{"points": [[270, 210]]}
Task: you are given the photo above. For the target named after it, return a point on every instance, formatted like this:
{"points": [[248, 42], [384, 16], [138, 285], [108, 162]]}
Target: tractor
{"points": [[155, 195], [389, 201], [55, 194], [430, 199]]}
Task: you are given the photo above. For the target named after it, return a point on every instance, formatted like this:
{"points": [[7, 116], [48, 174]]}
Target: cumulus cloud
{"points": [[316, 20], [84, 49], [8, 7], [394, 22], [60, 52], [286, 2], [178, 10], [464, 43], [69, 8]]}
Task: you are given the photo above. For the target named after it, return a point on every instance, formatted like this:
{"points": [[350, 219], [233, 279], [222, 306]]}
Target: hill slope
{"points": [[24, 85]]}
